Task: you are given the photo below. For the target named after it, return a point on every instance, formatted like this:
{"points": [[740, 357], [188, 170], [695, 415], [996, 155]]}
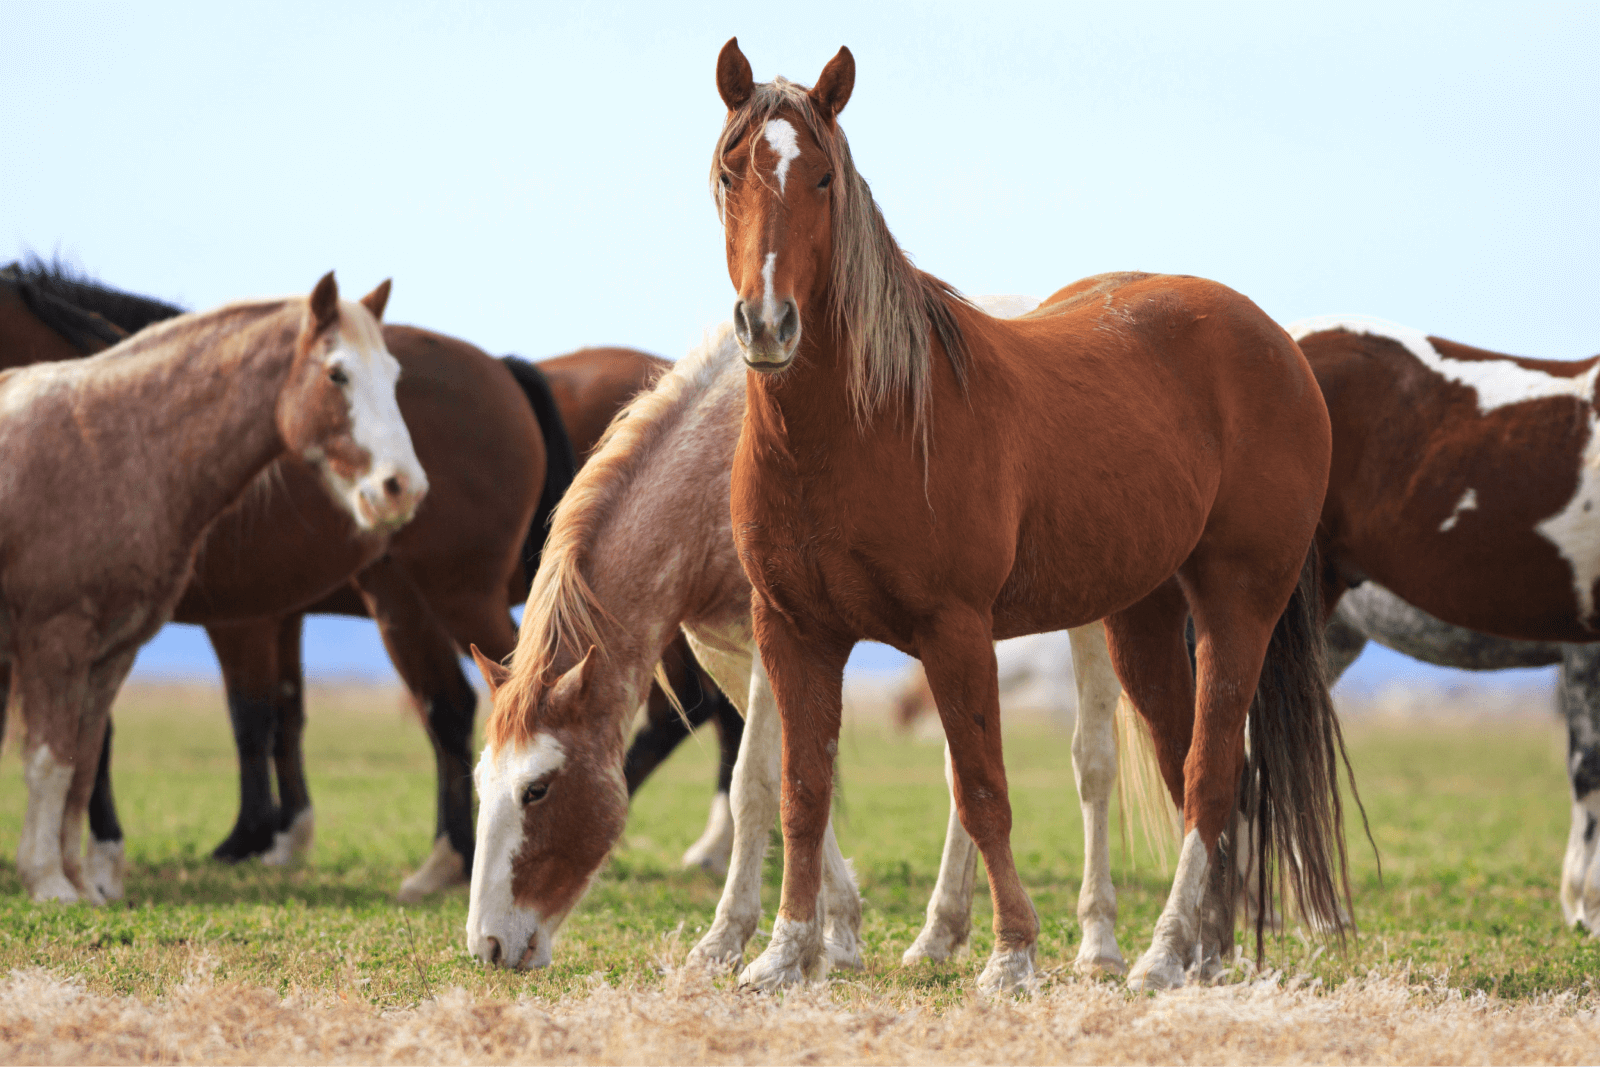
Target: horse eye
{"points": [[827, 180], [338, 377], [535, 792], [727, 179]]}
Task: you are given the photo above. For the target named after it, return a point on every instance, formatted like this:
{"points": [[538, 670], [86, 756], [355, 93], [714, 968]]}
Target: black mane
{"points": [[80, 308]]}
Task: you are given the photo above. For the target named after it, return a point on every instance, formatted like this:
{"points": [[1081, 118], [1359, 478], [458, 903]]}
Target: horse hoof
{"points": [[793, 956], [245, 842], [103, 868], [1007, 971], [443, 868], [937, 942], [292, 844], [765, 975], [844, 950], [55, 887], [1154, 972]]}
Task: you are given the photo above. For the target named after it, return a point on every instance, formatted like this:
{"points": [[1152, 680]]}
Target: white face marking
{"points": [[768, 308], [781, 136], [1468, 502], [377, 426], [1498, 382], [501, 779], [1575, 530]]}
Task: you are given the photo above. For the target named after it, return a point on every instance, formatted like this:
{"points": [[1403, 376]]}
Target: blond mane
{"points": [[885, 307], [562, 613]]}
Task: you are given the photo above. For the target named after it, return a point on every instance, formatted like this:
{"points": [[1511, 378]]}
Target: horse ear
{"points": [[378, 299], [576, 681], [734, 81], [325, 302], [494, 674], [832, 91]]}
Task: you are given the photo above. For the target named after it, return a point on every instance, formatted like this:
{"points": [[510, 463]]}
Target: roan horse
{"points": [[657, 492], [1164, 452], [115, 467], [1464, 482], [440, 581]]}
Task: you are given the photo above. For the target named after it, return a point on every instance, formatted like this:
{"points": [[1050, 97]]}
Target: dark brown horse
{"points": [[253, 580], [117, 465], [1163, 451]]}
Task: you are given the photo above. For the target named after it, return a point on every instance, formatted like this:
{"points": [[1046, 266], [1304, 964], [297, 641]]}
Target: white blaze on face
{"points": [[768, 308], [786, 143], [502, 778], [376, 424], [1575, 529]]}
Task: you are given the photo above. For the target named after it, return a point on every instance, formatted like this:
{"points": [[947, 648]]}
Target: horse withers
{"points": [[115, 467], [1163, 451]]}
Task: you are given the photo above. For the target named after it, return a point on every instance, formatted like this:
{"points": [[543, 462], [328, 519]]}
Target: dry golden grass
{"points": [[688, 1018]]}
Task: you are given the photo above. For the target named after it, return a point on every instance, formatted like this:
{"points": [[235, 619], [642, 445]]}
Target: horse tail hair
{"points": [[561, 464], [1289, 793], [1141, 792]]}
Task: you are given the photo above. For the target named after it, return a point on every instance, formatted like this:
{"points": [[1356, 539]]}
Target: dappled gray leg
{"points": [[1578, 695]]}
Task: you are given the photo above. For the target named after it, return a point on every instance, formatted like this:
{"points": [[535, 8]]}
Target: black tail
{"points": [[1289, 794], [560, 462]]}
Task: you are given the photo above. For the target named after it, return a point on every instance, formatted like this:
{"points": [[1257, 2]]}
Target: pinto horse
{"points": [[1164, 451], [440, 584], [117, 465], [1465, 482]]}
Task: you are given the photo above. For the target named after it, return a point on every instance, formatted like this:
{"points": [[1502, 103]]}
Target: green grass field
{"points": [[1470, 822]]}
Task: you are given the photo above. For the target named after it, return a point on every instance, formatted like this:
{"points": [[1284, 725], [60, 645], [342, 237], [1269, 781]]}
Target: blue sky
{"points": [[533, 176]]}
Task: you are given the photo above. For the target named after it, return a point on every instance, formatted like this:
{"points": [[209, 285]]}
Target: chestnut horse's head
{"points": [[551, 803], [779, 174], [338, 410]]}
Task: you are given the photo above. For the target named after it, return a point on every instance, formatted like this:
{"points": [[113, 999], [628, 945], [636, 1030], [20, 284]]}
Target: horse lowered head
{"points": [[337, 410], [551, 802], [774, 177]]}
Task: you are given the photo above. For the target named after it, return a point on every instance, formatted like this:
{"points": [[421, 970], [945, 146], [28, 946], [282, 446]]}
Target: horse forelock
{"points": [[563, 617], [887, 310]]}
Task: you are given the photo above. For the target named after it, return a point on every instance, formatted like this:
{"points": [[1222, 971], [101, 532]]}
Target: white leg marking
{"points": [[104, 868], [1468, 502], [793, 956], [1094, 765], [948, 926], [784, 141], [710, 853], [755, 808], [1580, 893], [39, 851], [841, 900], [443, 868], [293, 843], [1178, 930]]}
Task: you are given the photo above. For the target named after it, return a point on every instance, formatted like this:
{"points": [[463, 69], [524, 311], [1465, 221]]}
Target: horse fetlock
{"points": [[1157, 969], [443, 868], [104, 868], [722, 949], [1010, 967], [795, 955], [293, 843], [1099, 954], [53, 886], [942, 936], [843, 944]]}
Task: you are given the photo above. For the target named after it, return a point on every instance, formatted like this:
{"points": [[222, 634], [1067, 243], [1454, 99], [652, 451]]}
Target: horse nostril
{"points": [[494, 950], [790, 325], [392, 485], [741, 323]]}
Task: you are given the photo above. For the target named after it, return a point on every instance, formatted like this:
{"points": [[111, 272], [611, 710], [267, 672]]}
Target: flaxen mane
{"points": [[562, 612], [882, 303]]}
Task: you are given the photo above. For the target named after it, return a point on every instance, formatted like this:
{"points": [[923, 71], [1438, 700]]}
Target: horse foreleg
{"points": [[297, 823], [948, 926], [49, 688], [714, 847], [424, 654], [807, 681], [1579, 697], [958, 655], [248, 655], [1094, 766], [100, 878]]}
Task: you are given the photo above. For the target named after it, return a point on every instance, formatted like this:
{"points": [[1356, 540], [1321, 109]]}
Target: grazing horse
{"points": [[1464, 482], [658, 490], [1164, 451], [116, 465], [440, 584]]}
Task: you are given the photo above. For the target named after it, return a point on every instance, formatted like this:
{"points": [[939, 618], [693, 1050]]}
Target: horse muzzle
{"points": [[388, 498], [513, 949], [769, 345]]}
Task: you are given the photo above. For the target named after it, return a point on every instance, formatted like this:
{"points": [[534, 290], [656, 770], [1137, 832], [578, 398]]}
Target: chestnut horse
{"points": [[658, 490], [117, 464], [441, 583], [1465, 482], [912, 471]]}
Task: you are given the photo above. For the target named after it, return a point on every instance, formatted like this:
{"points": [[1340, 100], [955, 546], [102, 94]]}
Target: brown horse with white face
{"points": [[912, 471], [116, 466]]}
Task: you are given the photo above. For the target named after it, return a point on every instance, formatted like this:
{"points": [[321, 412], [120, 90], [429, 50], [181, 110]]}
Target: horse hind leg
{"points": [[297, 823], [1094, 766], [1579, 697], [247, 653], [947, 929], [100, 878], [106, 863]]}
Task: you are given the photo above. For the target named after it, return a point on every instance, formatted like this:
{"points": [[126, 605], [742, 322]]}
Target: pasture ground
{"points": [[1462, 953]]}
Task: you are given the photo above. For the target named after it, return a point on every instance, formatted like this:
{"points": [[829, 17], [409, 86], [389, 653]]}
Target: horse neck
{"points": [[805, 410], [205, 399]]}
